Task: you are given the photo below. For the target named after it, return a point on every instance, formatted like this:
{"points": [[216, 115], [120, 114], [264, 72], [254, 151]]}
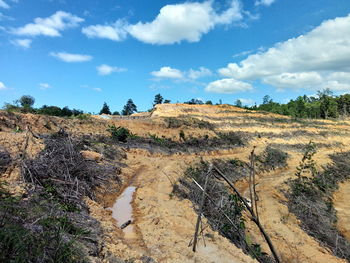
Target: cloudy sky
{"points": [[82, 53]]}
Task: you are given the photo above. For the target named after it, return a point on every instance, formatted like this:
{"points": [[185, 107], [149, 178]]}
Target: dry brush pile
{"points": [[51, 222]]}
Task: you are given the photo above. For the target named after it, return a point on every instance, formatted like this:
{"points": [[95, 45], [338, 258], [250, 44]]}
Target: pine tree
{"points": [[158, 99], [129, 108], [238, 103], [105, 109]]}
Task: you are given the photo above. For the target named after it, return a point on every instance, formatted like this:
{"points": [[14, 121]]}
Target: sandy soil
{"points": [[342, 206], [163, 224]]}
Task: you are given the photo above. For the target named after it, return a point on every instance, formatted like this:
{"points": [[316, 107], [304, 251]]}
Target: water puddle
{"points": [[122, 210]]}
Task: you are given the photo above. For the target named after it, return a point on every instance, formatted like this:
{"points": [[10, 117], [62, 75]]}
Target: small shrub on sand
{"points": [[272, 158], [310, 199], [121, 134]]}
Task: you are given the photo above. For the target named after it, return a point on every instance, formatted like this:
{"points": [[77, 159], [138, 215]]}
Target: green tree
{"points": [[238, 103], [129, 108], [267, 99], [328, 104], [194, 102], [105, 109], [300, 109], [344, 104], [167, 101], [209, 102], [66, 112], [158, 99], [26, 101]]}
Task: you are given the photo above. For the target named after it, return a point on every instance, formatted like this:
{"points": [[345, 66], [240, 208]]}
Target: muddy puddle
{"points": [[122, 211]]}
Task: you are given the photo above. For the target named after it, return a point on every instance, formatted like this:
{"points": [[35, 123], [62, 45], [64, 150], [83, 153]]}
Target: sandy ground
{"points": [[342, 206], [164, 225]]}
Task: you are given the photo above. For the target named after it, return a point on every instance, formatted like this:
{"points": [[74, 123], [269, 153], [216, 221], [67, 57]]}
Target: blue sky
{"points": [[82, 53]]}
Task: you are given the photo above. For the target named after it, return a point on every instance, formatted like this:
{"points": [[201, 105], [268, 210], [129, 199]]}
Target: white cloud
{"points": [[228, 86], [4, 5], [50, 26], [97, 89], [24, 43], [294, 80], [174, 23], [312, 61], [264, 2], [168, 72], [107, 70], [44, 86], [115, 31], [201, 73], [243, 53], [187, 21], [247, 102], [68, 57], [176, 74], [2, 86]]}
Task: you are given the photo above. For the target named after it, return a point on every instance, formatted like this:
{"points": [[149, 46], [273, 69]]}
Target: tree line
{"points": [[323, 106]]}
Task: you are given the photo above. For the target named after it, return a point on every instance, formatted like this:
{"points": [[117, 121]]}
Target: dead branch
{"points": [[253, 217]]}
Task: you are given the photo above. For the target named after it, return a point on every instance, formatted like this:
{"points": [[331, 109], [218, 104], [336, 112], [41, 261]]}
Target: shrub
{"points": [[5, 160], [83, 116], [121, 134], [310, 199], [233, 138], [182, 135], [35, 230], [158, 140], [272, 158], [172, 122]]}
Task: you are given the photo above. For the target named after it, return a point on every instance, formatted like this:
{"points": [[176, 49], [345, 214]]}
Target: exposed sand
{"points": [[164, 225]]}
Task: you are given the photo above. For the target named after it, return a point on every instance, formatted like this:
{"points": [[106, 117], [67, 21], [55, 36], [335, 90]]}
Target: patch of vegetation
{"points": [[186, 143], [64, 173], [271, 158], [50, 222], [300, 147], [310, 199], [325, 105], [221, 202], [120, 134], [36, 229], [172, 122], [5, 160], [83, 116]]}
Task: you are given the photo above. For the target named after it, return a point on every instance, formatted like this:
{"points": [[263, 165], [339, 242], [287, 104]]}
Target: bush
{"points": [[233, 138], [272, 158], [35, 229], [65, 173], [310, 199], [5, 160], [172, 122], [83, 116], [121, 134]]}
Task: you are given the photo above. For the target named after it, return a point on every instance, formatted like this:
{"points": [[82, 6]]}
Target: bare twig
{"points": [[201, 208]]}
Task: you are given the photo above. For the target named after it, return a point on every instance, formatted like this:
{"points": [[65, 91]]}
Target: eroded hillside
{"points": [[163, 145]]}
